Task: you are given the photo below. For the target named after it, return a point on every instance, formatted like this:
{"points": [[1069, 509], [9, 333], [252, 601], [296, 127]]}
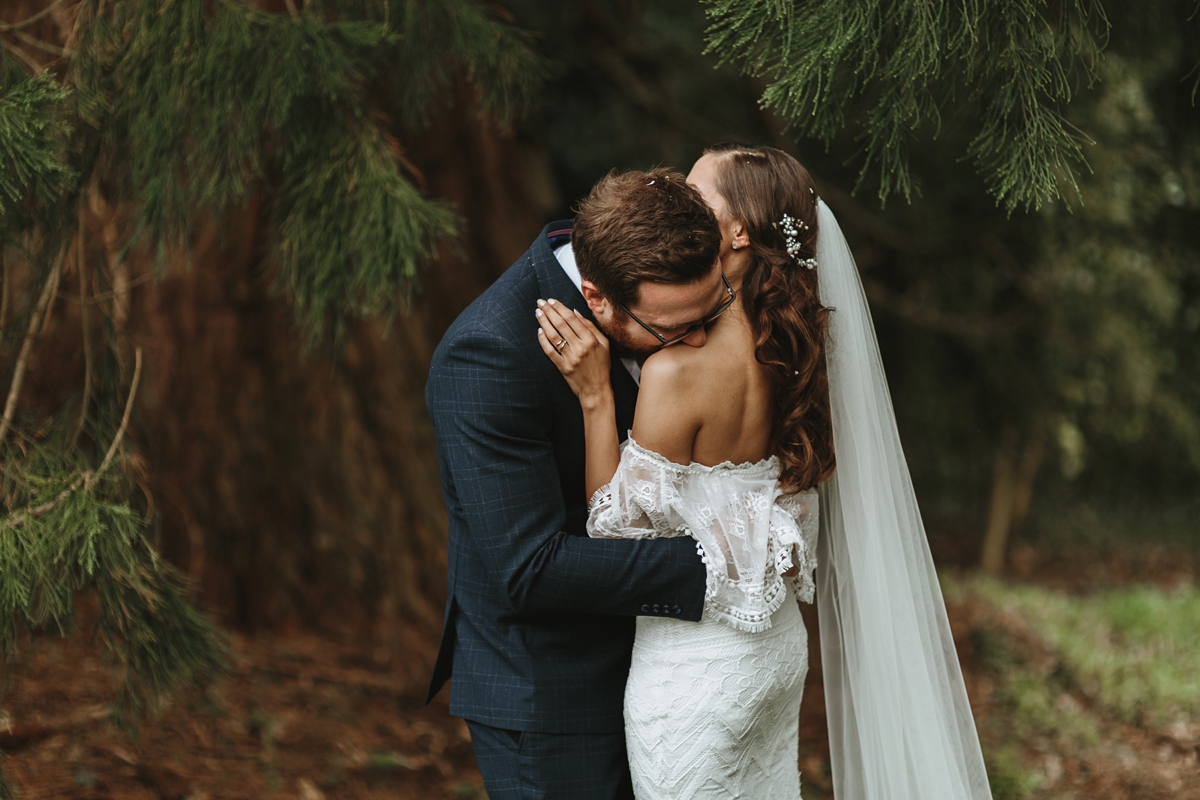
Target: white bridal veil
{"points": [[900, 726]]}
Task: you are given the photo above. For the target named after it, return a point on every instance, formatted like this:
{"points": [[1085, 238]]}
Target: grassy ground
{"points": [[1092, 694]]}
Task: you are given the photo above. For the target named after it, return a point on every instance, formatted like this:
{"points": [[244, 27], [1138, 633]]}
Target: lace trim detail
{"points": [[601, 496], [724, 602], [794, 526]]}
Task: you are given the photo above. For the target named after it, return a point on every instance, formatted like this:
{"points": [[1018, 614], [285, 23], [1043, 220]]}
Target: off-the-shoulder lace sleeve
{"points": [[747, 532], [794, 526], [641, 501]]}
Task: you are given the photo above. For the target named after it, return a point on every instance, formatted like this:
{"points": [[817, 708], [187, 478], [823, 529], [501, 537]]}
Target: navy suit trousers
{"points": [[519, 765]]}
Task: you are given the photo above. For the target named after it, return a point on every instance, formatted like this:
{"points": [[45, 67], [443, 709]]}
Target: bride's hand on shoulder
{"points": [[577, 348]]}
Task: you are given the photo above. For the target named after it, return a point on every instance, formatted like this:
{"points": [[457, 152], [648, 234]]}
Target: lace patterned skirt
{"points": [[711, 712]]}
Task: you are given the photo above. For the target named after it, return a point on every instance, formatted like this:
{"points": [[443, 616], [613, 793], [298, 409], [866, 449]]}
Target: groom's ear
{"points": [[598, 303]]}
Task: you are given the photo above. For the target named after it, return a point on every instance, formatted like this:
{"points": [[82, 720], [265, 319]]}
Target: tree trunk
{"points": [[1031, 462], [995, 539], [1012, 494]]}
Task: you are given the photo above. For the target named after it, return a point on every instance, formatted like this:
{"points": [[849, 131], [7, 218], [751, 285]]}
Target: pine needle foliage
{"points": [[896, 70], [70, 529], [31, 137], [205, 103], [174, 113], [90, 539]]}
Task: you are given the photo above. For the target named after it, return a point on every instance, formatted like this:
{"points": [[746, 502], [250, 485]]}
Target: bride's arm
{"points": [[582, 357]]}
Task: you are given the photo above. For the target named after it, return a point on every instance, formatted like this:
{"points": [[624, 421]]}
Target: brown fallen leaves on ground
{"points": [[298, 716], [311, 717]]}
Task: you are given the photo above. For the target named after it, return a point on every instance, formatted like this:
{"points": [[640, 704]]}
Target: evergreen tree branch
{"points": [[15, 737], [32, 134], [97, 299], [81, 267], [217, 100], [87, 479], [848, 209], [187, 108], [40, 312], [5, 281], [29, 60], [891, 69], [337, 267], [19, 519], [25, 23], [116, 442], [150, 631], [161, 641], [38, 44]]}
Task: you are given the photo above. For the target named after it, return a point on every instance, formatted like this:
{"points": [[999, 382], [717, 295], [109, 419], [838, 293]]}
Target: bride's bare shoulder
{"points": [[669, 408], [672, 369]]}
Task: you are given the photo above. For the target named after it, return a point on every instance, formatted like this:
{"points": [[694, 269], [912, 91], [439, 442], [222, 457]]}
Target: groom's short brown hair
{"points": [[644, 226]]}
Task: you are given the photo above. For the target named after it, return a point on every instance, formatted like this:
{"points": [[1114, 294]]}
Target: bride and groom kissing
{"points": [[662, 428]]}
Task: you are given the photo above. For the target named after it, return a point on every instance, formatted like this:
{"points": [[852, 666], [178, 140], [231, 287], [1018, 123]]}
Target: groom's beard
{"points": [[624, 343]]}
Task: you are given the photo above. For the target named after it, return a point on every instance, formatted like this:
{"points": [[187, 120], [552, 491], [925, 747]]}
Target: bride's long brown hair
{"points": [[760, 185]]}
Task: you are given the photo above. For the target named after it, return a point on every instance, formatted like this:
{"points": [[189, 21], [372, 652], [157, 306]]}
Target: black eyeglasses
{"points": [[718, 311]]}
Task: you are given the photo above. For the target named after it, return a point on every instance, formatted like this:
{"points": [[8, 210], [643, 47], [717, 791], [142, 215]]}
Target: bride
{"points": [[734, 444]]}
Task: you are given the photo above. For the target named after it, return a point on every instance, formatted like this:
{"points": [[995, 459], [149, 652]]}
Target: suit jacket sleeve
{"points": [[492, 422]]}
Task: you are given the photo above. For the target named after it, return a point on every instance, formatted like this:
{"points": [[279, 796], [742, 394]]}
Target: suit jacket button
{"points": [[645, 608], [677, 610], [656, 608]]}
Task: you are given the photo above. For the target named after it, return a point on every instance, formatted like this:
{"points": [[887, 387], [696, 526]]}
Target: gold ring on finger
{"points": [[560, 345]]}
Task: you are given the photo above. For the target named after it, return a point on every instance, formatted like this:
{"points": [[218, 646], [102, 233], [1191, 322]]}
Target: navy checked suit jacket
{"points": [[540, 618]]}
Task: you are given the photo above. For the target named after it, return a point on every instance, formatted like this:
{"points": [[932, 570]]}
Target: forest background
{"points": [[233, 234]]}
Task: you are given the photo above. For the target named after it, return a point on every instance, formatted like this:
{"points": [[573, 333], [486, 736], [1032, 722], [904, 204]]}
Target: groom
{"points": [[540, 619]]}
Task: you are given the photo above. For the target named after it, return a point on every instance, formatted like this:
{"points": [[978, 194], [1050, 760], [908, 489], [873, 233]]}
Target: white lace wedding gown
{"points": [[712, 708]]}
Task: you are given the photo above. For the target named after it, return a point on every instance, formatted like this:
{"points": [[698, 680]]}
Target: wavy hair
{"points": [[639, 226], [760, 185]]}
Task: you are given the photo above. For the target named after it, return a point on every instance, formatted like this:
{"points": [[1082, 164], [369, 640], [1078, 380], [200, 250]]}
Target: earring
{"points": [[734, 246]]}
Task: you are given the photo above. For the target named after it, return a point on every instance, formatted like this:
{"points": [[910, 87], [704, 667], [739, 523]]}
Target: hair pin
{"points": [[791, 237]]}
